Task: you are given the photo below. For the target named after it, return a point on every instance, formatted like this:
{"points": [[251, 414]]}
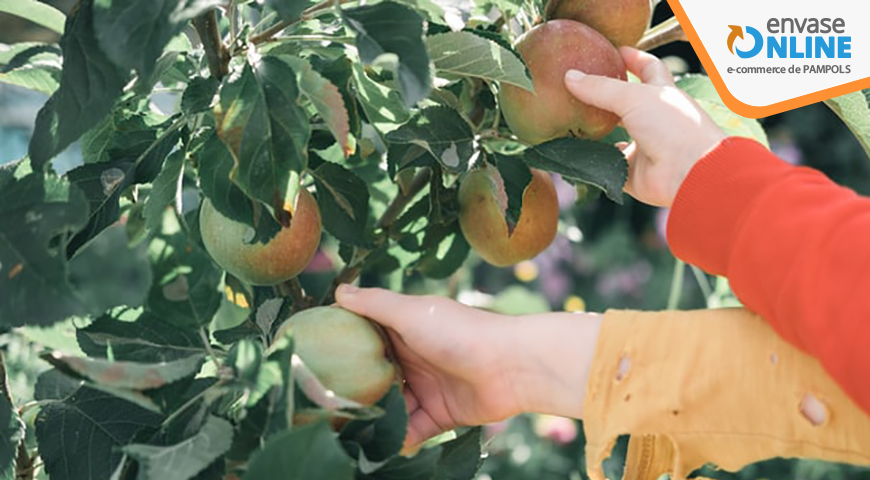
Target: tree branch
{"points": [[216, 52], [664, 33], [352, 270], [307, 14]]}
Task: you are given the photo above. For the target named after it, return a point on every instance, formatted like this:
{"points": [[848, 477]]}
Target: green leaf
{"points": [[516, 176], [447, 256], [80, 437], [107, 272], [443, 133], [126, 153], [124, 374], [421, 466], [37, 68], [34, 211], [165, 189], [383, 106], [102, 183], [146, 338], [701, 88], [187, 458], [854, 110], [598, 164], [185, 291], [199, 95], [461, 457], [467, 54], [215, 170], [303, 453], [266, 131], [54, 385], [11, 426], [133, 33], [344, 203], [89, 85], [289, 10], [327, 100], [382, 437], [37, 12], [392, 28]]}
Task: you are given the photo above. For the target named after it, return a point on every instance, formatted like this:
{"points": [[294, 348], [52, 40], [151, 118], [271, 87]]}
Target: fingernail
{"points": [[346, 290], [574, 75]]}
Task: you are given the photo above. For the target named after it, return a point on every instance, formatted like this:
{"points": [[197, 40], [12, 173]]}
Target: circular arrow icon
{"points": [[737, 31]]}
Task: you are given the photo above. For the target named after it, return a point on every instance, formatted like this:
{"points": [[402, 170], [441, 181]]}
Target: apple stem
{"points": [[664, 33]]}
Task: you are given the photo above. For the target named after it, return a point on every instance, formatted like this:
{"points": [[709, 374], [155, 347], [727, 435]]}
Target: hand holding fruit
{"points": [[465, 366], [670, 131]]}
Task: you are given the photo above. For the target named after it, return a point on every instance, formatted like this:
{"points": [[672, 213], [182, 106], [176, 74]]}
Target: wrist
{"points": [[553, 355]]}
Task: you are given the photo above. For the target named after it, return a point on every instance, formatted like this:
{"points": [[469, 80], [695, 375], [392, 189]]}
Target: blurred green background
{"points": [[606, 256]]}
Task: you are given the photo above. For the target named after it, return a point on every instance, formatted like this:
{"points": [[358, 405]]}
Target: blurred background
{"points": [[606, 256]]}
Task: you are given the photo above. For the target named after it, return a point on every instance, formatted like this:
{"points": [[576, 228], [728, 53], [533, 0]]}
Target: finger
{"points": [[610, 94], [388, 308], [421, 427], [622, 145], [411, 402], [648, 67]]}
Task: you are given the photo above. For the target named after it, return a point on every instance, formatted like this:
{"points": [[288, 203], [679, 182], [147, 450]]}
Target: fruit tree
{"points": [[236, 161]]}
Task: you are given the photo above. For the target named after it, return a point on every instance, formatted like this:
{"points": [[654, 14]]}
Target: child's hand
{"points": [[671, 132], [465, 366]]}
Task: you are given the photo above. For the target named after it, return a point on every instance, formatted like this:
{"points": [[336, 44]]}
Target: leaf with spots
{"points": [[185, 290], [37, 212], [80, 437], [138, 337], [443, 133], [124, 374], [582, 161]]}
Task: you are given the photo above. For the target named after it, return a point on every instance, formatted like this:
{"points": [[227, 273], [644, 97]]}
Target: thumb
{"points": [[607, 93]]}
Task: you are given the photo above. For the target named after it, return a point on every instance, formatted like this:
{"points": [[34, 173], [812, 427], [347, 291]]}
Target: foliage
{"points": [[160, 365]]}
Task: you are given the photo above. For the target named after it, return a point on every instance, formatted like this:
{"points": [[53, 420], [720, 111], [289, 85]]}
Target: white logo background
{"points": [[711, 21]]}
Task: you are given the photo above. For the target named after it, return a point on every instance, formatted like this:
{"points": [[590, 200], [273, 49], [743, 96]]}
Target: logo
{"points": [[795, 38], [736, 32]]}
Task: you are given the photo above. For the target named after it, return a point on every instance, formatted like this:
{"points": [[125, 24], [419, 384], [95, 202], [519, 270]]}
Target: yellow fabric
{"points": [[715, 386]]}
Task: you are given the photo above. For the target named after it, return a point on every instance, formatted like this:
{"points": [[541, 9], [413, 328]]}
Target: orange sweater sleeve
{"points": [[795, 247]]}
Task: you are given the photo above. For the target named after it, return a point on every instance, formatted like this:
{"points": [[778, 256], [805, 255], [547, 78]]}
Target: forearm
{"points": [[792, 243], [553, 354]]}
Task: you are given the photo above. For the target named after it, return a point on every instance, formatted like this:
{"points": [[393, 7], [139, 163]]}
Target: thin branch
{"points": [[352, 270], [293, 288], [307, 14], [215, 51], [397, 206], [676, 284], [664, 33]]}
